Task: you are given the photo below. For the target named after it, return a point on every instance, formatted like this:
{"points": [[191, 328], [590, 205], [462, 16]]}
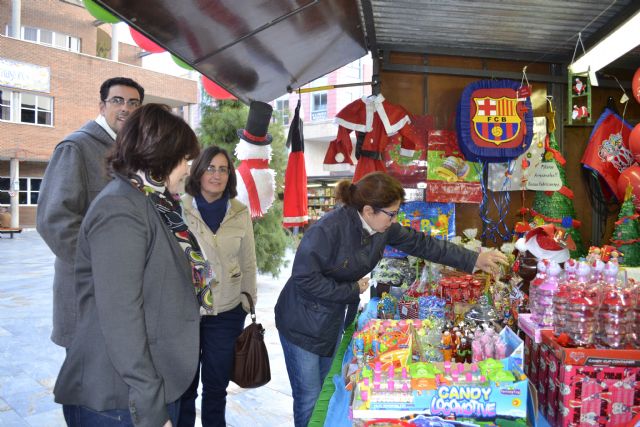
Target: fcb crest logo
{"points": [[493, 124], [496, 120]]}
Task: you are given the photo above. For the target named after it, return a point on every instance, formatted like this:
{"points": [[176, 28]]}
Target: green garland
{"points": [[328, 388]]}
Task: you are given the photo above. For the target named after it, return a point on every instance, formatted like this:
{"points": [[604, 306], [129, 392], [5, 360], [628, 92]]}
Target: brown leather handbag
{"points": [[251, 365]]}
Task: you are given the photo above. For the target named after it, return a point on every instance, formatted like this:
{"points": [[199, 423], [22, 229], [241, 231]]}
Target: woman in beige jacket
{"points": [[223, 228]]}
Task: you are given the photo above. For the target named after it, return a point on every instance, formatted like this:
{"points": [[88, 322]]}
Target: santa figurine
{"points": [[579, 87], [256, 182]]}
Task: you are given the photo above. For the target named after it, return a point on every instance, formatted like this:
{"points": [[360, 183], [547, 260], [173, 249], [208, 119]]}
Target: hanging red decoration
{"points": [[144, 43], [215, 90], [631, 176], [635, 85], [634, 142]]}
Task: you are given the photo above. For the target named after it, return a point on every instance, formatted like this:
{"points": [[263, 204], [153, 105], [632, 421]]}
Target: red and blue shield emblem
{"points": [[493, 124]]}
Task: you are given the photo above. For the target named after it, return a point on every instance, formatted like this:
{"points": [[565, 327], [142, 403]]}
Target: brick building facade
{"points": [[72, 96]]}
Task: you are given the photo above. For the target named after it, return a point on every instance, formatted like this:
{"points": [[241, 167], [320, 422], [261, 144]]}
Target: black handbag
{"points": [[251, 363]]}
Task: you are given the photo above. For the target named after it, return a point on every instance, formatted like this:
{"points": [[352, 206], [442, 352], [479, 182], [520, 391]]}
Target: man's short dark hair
{"points": [[122, 81], [152, 140]]}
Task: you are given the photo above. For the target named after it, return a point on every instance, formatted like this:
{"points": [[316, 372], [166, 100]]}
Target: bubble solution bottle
{"points": [[580, 312], [614, 314], [542, 310], [562, 296]]}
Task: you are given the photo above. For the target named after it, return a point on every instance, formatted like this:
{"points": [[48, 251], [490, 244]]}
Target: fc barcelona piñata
{"points": [[493, 124]]}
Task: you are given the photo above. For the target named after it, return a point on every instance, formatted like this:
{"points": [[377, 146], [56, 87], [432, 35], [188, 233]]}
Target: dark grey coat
{"points": [[74, 177], [333, 255], [137, 340]]}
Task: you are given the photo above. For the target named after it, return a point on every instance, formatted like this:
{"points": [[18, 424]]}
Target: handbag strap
{"points": [[251, 306]]}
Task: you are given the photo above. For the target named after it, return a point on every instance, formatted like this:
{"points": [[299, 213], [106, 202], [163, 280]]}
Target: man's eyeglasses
{"points": [[390, 214], [119, 101], [222, 170]]}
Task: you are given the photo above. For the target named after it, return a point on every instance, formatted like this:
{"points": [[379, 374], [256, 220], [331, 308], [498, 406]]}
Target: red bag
{"points": [[251, 365]]}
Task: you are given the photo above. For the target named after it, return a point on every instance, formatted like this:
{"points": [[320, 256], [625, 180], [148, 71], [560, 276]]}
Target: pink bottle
{"points": [[614, 313], [562, 296], [542, 310], [580, 312]]}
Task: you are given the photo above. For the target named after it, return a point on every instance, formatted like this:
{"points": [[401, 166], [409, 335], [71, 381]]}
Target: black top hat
{"points": [[257, 124]]}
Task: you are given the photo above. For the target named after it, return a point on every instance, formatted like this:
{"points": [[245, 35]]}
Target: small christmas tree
{"points": [[626, 235], [557, 206]]}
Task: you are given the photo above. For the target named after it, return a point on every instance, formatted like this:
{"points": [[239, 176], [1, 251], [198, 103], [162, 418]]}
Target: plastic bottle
{"points": [[580, 312], [562, 296], [614, 314], [542, 311]]}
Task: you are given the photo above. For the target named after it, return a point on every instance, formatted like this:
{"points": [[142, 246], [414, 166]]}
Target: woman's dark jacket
{"points": [[333, 255]]}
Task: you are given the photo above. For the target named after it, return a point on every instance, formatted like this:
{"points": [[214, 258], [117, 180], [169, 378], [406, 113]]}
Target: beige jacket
{"points": [[231, 252]]}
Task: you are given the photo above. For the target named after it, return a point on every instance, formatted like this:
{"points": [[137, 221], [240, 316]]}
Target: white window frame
{"points": [[15, 115], [69, 39], [29, 191], [316, 111], [283, 112]]}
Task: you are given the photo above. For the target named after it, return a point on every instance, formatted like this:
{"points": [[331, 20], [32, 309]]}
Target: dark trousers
{"points": [[218, 336], [80, 416]]}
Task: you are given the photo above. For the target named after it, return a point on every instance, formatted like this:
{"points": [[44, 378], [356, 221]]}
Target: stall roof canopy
{"points": [[257, 49]]}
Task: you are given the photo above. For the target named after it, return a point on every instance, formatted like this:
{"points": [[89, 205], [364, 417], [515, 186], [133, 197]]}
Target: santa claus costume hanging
{"points": [[256, 182], [376, 122]]}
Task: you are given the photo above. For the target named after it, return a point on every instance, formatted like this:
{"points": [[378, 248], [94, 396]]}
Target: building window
{"points": [[5, 105], [49, 38], [29, 189], [26, 107], [319, 106], [282, 111], [35, 109]]}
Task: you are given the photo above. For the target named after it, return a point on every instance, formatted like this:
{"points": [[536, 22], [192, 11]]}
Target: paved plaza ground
{"points": [[29, 361]]}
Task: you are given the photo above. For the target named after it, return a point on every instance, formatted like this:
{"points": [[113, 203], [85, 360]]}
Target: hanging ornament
{"points": [[634, 142], [631, 177], [214, 90], [495, 124], [181, 63], [635, 85], [144, 42], [100, 13]]}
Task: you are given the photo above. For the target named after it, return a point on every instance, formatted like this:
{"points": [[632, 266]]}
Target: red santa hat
{"points": [[547, 242], [338, 156]]}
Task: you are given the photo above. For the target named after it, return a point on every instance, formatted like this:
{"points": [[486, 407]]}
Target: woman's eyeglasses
{"points": [[222, 170], [390, 214]]}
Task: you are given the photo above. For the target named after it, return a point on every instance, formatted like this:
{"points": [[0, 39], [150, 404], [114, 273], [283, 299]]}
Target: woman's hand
{"points": [[490, 261], [168, 424], [363, 284]]}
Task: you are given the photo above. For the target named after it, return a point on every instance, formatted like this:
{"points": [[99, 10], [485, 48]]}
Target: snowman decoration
{"points": [[256, 182]]}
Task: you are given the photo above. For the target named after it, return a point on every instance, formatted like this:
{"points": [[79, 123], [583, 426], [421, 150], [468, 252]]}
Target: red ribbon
{"points": [[254, 200], [556, 154], [256, 163], [253, 137]]}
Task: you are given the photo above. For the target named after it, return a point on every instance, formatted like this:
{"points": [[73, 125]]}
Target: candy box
{"points": [[596, 396], [487, 401]]}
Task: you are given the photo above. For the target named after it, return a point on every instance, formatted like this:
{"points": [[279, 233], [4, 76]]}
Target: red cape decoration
{"points": [[493, 124], [295, 209], [377, 123], [607, 152]]}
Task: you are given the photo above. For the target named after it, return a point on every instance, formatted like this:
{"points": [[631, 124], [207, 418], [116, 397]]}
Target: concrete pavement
{"points": [[29, 361]]}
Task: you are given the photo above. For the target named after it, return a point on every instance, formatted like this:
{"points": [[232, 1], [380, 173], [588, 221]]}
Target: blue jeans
{"points": [[80, 416], [218, 336], [307, 372]]}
